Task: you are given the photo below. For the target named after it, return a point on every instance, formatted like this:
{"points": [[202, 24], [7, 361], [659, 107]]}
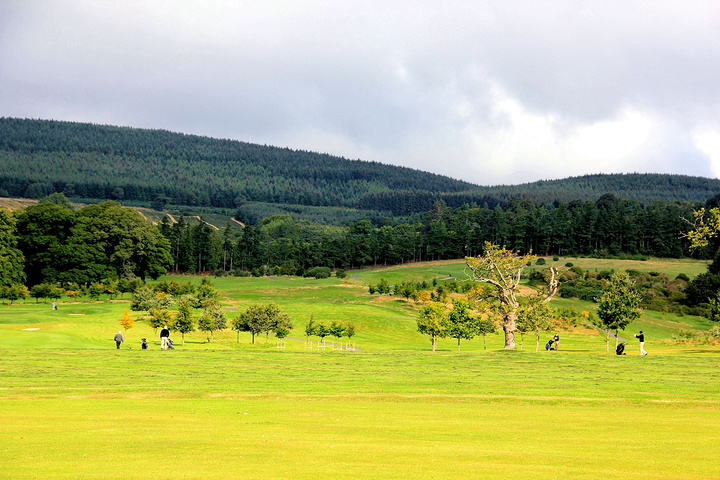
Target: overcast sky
{"points": [[491, 92]]}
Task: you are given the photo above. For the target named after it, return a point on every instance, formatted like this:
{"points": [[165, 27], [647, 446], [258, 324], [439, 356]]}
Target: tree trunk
{"points": [[484, 344], [183, 339], [434, 341], [458, 344], [607, 340], [616, 339], [537, 341], [238, 337], [509, 329]]}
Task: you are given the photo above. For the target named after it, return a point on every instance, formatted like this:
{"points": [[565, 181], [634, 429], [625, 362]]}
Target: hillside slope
{"points": [[87, 161]]}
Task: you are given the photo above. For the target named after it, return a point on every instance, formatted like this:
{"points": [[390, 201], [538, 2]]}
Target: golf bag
{"points": [[170, 344], [620, 350], [144, 344]]}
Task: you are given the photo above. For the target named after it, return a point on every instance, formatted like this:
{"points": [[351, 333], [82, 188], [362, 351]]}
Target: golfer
{"points": [[557, 342], [164, 335], [119, 339], [641, 336]]}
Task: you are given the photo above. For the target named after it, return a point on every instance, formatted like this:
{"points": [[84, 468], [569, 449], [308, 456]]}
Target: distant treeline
{"points": [[608, 227], [52, 244], [84, 161]]}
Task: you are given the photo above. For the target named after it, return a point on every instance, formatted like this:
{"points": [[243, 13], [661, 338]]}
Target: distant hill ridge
{"points": [[84, 160]]}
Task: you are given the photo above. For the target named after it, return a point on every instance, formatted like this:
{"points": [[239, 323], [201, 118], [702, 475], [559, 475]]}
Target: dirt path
{"points": [[206, 223]]}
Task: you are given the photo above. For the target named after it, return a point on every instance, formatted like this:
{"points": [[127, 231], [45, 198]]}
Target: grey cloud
{"points": [[411, 83]]}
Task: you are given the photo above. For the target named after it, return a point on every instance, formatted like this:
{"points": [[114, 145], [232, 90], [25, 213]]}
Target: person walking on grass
{"points": [[164, 335], [641, 337], [119, 339]]}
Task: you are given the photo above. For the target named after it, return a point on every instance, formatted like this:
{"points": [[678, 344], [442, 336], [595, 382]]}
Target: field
{"points": [[72, 406]]}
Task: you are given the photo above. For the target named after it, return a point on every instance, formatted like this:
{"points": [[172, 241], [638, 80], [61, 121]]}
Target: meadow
{"points": [[72, 406]]}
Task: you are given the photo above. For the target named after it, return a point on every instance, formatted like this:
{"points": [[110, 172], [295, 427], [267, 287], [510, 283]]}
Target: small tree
{"points": [[16, 291], [273, 319], [212, 319], [322, 331], [535, 316], [41, 290], [95, 290], [433, 321], [337, 330], [350, 331], [184, 322], [484, 327], [461, 324], [618, 305], [310, 328], [206, 293], [127, 321], [253, 320], [158, 318]]}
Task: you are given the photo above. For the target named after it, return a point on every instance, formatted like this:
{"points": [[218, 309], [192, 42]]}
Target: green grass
{"points": [[74, 407], [217, 414]]}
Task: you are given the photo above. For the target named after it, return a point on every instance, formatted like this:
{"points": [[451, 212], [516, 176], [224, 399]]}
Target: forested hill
{"points": [[95, 161], [38, 157]]}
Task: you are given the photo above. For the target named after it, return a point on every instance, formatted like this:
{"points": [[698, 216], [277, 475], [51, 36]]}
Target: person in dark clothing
{"points": [[557, 341], [164, 335], [119, 339], [144, 344], [549, 345], [641, 337]]}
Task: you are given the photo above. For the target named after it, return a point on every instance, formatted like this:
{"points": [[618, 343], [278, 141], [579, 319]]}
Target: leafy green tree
{"points": [[206, 293], [433, 320], [254, 320], [16, 291], [212, 319], [714, 314], [309, 328], [485, 326], [41, 290], [274, 319], [11, 258], [184, 322], [158, 318], [95, 289], [337, 330], [535, 316], [111, 241], [350, 331], [144, 300], [56, 199], [322, 331], [618, 305], [461, 324]]}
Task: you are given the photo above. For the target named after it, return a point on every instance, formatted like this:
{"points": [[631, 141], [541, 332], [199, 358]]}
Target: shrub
{"points": [[555, 258], [682, 276], [318, 272], [569, 264], [540, 261], [341, 273]]}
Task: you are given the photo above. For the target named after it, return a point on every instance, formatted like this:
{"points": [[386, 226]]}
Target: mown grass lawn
{"points": [[73, 407], [231, 414]]}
